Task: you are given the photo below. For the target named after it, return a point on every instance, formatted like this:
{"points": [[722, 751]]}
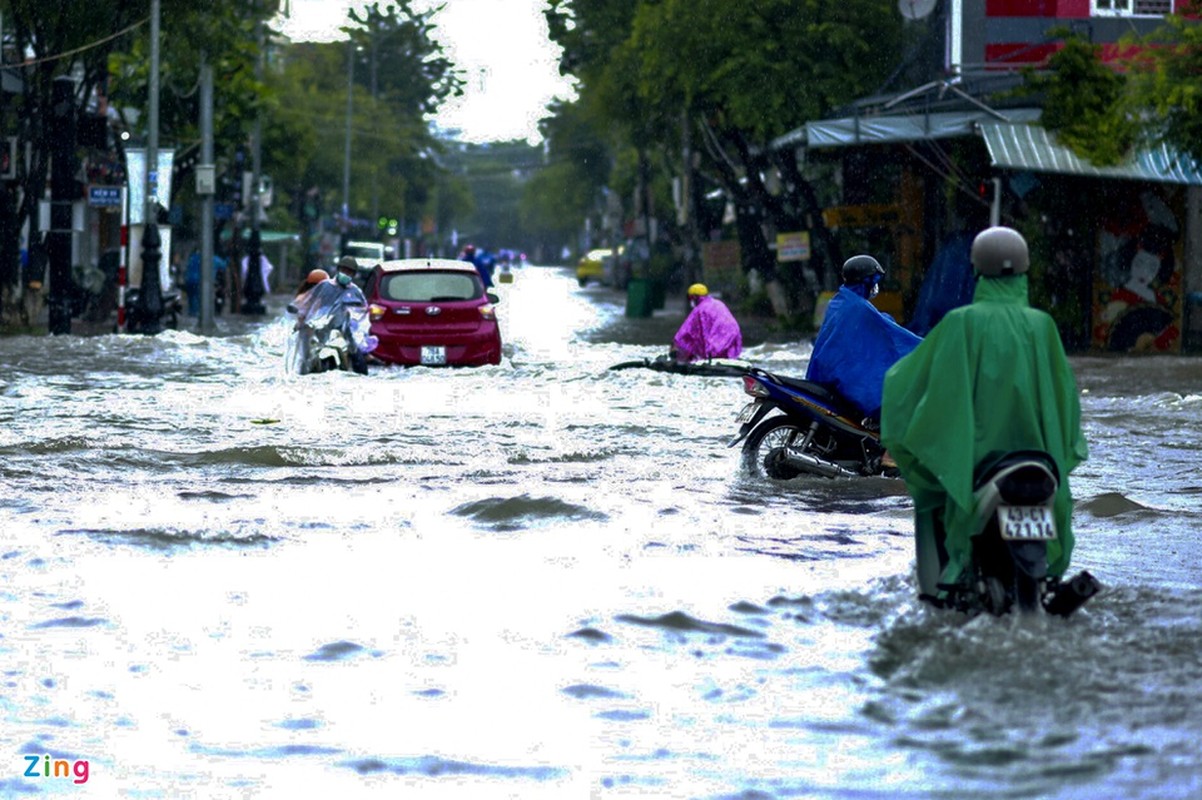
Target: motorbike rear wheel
{"points": [[766, 444]]}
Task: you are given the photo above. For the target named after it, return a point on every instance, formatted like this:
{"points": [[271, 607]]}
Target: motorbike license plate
{"points": [[434, 355], [748, 411], [1026, 523]]}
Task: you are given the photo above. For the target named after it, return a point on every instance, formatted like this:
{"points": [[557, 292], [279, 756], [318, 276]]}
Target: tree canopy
{"points": [[719, 80]]}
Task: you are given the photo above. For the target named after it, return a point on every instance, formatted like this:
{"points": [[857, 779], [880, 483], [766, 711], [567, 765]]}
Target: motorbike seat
{"points": [[823, 395]]}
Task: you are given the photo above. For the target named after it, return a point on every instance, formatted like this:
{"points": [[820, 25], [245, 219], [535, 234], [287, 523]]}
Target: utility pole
{"points": [[150, 294], [252, 291], [346, 161], [206, 177], [375, 187], [62, 181]]}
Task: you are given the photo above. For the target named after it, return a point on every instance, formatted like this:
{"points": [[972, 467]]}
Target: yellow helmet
{"points": [[698, 290]]}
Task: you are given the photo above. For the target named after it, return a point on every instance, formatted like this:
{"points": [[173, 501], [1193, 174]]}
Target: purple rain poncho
{"points": [[709, 331]]}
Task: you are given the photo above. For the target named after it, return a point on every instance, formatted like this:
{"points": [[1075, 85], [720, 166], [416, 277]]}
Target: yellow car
{"points": [[592, 266]]}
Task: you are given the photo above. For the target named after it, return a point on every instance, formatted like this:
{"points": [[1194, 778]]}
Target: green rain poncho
{"points": [[990, 377]]}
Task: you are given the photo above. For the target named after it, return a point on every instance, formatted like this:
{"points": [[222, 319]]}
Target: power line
{"points": [[97, 43]]}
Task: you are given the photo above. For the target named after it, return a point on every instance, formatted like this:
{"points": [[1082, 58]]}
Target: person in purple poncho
{"points": [[709, 331]]}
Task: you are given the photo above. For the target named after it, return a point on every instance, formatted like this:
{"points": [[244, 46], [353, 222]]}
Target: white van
{"points": [[368, 254]]}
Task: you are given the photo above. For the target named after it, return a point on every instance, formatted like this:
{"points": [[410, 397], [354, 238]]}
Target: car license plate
{"points": [[1026, 523], [434, 355], [748, 411]]}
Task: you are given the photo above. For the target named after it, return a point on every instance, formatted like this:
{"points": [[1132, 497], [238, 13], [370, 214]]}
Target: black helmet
{"points": [[1000, 251], [859, 269]]}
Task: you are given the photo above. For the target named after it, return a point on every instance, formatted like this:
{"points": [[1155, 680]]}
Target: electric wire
{"points": [[77, 50]]}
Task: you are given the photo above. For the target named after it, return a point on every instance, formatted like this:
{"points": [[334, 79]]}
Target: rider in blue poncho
{"points": [[858, 343]]}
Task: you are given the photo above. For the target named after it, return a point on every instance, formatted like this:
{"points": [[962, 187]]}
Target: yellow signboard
{"points": [[793, 246], [869, 216]]}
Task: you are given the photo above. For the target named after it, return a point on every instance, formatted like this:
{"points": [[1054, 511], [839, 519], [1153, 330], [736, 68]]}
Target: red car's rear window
{"points": [[427, 287]]}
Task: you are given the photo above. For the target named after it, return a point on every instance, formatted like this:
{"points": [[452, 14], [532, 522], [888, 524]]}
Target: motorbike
{"points": [[815, 432], [710, 367], [172, 308], [1012, 524], [320, 344]]}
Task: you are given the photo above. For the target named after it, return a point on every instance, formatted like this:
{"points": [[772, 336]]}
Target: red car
{"points": [[432, 311]]}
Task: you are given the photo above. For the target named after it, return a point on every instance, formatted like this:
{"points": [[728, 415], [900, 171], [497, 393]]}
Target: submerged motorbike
{"points": [[332, 330], [709, 367], [815, 431], [320, 343], [1011, 527], [323, 346]]}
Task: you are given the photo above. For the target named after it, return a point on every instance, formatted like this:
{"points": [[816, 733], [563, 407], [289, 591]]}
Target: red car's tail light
{"points": [[376, 312], [488, 312]]}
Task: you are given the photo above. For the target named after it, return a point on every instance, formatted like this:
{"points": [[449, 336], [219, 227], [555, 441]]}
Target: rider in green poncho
{"points": [[990, 377]]}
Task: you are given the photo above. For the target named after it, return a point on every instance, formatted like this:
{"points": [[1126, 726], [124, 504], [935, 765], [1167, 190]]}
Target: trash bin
{"points": [[638, 298]]}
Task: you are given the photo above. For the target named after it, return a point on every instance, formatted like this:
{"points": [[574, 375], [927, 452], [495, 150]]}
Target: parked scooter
{"points": [[816, 432], [136, 322], [1012, 525]]}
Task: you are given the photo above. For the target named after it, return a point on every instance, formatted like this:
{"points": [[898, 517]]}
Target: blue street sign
{"points": [[104, 196]]}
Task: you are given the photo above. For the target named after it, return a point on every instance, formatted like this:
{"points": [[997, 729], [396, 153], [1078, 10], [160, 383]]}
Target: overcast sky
{"points": [[501, 46]]}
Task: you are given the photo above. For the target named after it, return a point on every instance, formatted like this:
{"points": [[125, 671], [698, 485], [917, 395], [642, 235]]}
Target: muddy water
{"points": [[548, 580]]}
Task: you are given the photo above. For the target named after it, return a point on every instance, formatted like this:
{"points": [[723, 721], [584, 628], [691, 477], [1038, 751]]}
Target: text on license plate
{"points": [[434, 355], [748, 411], [1026, 523]]}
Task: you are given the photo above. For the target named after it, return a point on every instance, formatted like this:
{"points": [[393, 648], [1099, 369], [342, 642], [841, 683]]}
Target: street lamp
{"points": [[150, 295], [252, 290]]}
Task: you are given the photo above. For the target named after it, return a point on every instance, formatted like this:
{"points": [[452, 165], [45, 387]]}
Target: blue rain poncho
{"points": [[949, 283], [992, 377], [855, 346]]}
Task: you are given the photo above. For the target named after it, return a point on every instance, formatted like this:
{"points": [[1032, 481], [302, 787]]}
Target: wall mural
{"points": [[1137, 299]]}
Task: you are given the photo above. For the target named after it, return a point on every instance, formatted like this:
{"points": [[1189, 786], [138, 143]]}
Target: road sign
{"points": [[104, 196]]}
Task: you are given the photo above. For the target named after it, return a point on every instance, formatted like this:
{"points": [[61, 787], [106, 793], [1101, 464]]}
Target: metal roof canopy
{"points": [[1032, 148], [887, 128]]}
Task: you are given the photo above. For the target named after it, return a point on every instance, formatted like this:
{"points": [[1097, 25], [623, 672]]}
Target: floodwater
{"points": [[546, 579]]}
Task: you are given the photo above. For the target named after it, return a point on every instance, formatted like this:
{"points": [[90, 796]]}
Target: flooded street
{"points": [[550, 580]]}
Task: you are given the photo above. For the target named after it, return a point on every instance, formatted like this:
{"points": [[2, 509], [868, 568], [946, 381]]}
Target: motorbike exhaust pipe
{"points": [[809, 463]]}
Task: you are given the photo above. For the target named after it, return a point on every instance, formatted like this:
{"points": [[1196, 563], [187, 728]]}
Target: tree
{"points": [[1166, 82], [62, 40], [727, 77], [1083, 101], [564, 191]]}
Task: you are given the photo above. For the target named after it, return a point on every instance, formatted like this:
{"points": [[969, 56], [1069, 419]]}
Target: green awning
{"points": [[1032, 148], [265, 236]]}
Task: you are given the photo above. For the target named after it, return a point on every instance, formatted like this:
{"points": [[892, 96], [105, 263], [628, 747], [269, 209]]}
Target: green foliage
{"points": [[398, 61], [766, 66], [224, 33], [1083, 102], [495, 175], [1166, 82]]}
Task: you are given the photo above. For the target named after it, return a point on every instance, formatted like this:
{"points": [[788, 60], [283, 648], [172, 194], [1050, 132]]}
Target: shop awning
{"points": [[1032, 148], [887, 128]]}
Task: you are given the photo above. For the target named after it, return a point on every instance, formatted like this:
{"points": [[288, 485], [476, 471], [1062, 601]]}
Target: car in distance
{"points": [[591, 267], [434, 312], [367, 255]]}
